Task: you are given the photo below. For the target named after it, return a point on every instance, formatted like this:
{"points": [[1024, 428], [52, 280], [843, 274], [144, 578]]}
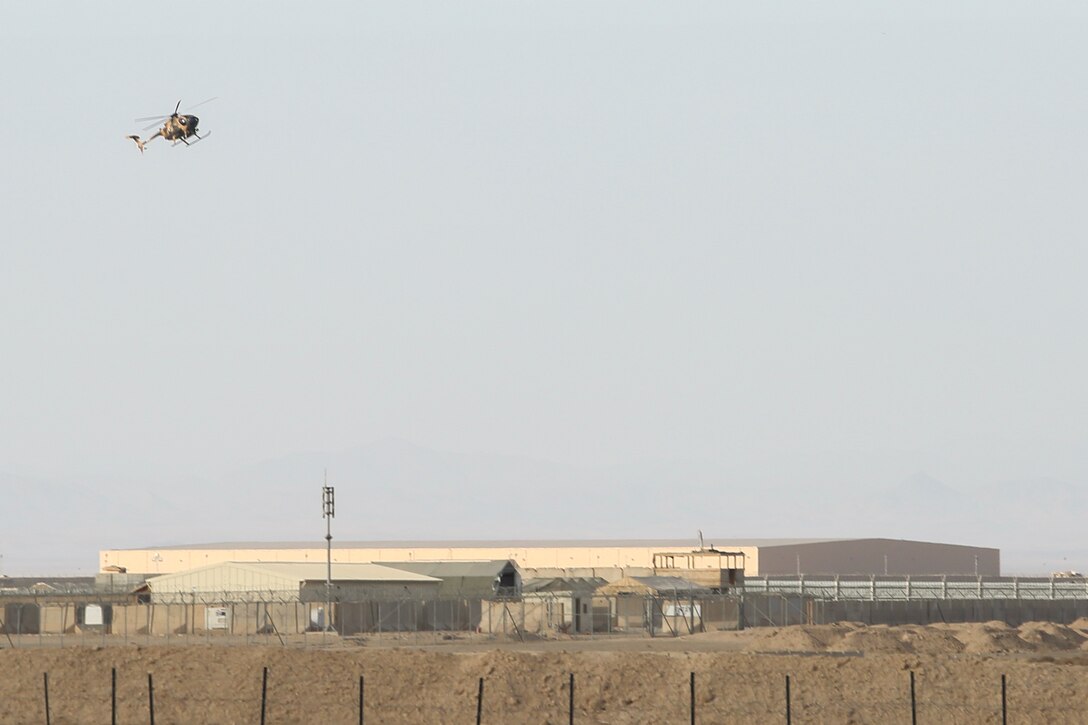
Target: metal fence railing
{"points": [[909, 588], [780, 610], [282, 617], [56, 619], [513, 690]]}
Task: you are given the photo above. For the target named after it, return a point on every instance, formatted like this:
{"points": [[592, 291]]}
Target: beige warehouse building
{"points": [[291, 581], [762, 557]]}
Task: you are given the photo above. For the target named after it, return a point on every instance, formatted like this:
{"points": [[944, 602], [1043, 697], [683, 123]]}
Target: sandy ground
{"points": [[844, 673]]}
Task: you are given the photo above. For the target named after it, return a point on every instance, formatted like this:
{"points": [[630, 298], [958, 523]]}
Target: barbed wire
{"points": [[295, 694]]}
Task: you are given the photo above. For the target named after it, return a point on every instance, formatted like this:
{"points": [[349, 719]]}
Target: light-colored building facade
{"points": [[239, 580], [762, 557]]}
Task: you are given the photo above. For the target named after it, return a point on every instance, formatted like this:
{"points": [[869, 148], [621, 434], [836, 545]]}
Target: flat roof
{"points": [[489, 544]]}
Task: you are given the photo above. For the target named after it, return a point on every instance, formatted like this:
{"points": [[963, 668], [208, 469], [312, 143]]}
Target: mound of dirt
{"points": [[992, 638], [931, 640], [875, 640], [1047, 635], [1080, 624], [786, 639]]}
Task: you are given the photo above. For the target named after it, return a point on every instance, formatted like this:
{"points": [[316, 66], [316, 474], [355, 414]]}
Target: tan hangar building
{"points": [[762, 557]]}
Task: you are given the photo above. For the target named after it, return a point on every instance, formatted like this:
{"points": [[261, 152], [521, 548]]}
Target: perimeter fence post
{"points": [[45, 684], [913, 702], [264, 693], [570, 695], [150, 699], [692, 698], [789, 718], [1004, 703], [113, 696], [480, 702], [361, 700]]}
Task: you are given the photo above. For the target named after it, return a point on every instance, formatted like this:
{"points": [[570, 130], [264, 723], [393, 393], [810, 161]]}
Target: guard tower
{"points": [[720, 570]]}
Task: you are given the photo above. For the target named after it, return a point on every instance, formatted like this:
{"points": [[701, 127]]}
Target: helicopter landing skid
{"points": [[194, 143]]}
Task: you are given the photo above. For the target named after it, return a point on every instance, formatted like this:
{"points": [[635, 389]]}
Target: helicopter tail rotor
{"points": [[139, 144]]}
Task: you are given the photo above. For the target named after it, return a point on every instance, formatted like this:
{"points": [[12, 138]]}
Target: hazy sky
{"points": [[842, 242]]}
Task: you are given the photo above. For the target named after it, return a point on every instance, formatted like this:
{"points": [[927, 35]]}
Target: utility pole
{"points": [[328, 499]]}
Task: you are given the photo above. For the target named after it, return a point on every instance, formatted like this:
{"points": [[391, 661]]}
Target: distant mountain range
{"points": [[397, 490]]}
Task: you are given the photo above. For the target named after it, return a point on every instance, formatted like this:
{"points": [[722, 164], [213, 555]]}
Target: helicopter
{"points": [[176, 127]]}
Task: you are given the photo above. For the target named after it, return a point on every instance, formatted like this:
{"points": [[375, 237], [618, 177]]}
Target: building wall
{"points": [[242, 618], [585, 557], [863, 556], [867, 556]]}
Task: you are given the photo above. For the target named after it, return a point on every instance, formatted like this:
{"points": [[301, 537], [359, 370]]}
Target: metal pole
{"points": [[150, 698], [328, 498], [1004, 703], [264, 693], [113, 696], [360, 700], [789, 719], [913, 702], [45, 682], [692, 698], [571, 694], [480, 702]]}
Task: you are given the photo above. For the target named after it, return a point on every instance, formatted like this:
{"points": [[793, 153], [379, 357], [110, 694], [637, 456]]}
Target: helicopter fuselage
{"points": [[179, 128]]}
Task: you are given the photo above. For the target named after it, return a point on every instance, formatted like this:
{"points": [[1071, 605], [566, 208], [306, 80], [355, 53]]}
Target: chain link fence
{"points": [[909, 588], [272, 617], [286, 693], [784, 609]]}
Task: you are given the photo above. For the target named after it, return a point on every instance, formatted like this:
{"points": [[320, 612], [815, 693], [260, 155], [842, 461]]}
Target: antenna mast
{"points": [[328, 500]]}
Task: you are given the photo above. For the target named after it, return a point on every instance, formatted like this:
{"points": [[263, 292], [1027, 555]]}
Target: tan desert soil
{"points": [[838, 674]]}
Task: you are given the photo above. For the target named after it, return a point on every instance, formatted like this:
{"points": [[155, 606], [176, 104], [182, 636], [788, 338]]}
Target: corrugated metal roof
{"points": [[298, 572], [646, 584], [562, 584], [310, 571], [488, 569]]}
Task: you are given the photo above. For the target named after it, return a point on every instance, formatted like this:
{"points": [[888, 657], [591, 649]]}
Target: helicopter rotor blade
{"points": [[168, 115], [156, 120], [213, 98]]}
